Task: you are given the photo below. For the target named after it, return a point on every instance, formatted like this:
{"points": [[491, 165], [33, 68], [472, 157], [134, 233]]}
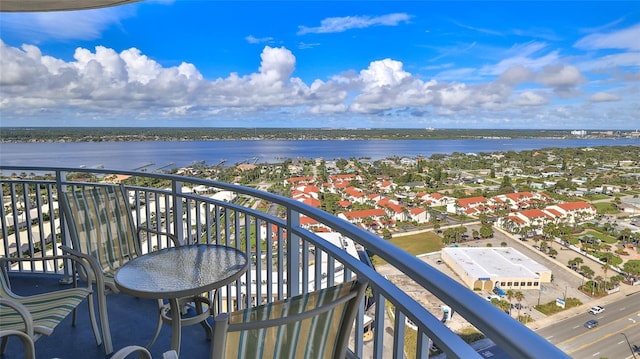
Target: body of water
{"points": [[174, 154]]}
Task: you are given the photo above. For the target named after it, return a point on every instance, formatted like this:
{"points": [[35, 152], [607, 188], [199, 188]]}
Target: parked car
{"points": [[591, 324], [596, 310]]}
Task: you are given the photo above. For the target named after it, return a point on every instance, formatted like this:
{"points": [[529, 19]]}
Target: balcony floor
{"points": [[132, 321]]}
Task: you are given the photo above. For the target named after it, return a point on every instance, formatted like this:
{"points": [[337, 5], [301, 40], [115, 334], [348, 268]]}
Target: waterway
{"points": [[156, 155]]}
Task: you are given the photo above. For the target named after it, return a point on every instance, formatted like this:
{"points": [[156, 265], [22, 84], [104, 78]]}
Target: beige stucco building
{"points": [[487, 267]]}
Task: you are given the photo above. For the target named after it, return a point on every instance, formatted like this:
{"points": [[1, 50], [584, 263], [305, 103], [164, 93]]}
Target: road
{"points": [[603, 341]]}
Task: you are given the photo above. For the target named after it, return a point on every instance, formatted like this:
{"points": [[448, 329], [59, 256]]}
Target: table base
{"points": [[201, 305]]}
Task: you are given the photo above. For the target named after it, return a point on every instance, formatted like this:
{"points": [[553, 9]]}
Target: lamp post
{"points": [[629, 344], [539, 294]]}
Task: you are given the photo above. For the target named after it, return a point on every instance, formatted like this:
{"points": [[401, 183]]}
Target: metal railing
{"points": [[286, 255]]}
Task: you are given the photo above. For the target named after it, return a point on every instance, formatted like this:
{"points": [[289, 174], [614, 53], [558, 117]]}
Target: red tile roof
{"points": [[365, 213], [533, 213], [465, 202], [575, 206]]}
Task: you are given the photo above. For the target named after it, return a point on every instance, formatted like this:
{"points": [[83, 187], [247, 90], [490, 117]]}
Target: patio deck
{"points": [[132, 322]]}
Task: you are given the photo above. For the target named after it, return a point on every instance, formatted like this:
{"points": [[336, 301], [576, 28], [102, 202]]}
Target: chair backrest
{"points": [[312, 325], [101, 224]]}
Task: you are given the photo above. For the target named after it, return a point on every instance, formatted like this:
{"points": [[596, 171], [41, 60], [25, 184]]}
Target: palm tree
{"points": [[605, 268], [588, 272], [519, 296], [578, 260], [510, 295], [597, 280]]}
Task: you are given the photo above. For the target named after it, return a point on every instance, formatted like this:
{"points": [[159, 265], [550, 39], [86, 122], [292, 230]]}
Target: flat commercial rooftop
{"points": [[489, 262]]}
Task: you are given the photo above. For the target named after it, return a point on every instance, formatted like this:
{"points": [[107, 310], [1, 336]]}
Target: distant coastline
{"points": [[119, 134]]}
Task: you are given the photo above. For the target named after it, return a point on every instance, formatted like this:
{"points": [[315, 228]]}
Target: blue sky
{"points": [[343, 64]]}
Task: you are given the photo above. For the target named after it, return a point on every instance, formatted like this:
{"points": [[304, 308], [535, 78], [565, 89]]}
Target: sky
{"points": [[344, 64]]}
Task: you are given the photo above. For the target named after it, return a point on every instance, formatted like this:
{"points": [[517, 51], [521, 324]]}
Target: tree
{"points": [[605, 268], [597, 280], [625, 234], [632, 267], [510, 295], [486, 231], [578, 260], [449, 235], [519, 296], [588, 272], [460, 230]]}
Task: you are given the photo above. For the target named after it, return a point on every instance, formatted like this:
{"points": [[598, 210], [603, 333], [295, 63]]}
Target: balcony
{"points": [[287, 256]]}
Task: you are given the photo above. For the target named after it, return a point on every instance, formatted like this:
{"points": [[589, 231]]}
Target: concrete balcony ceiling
{"points": [[57, 5]]}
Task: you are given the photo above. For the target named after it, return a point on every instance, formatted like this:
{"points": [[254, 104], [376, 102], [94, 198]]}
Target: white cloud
{"points": [[561, 76], [478, 29], [104, 84], [341, 24], [603, 97], [613, 61], [306, 45], [625, 39], [64, 25], [515, 75], [277, 66], [255, 40], [386, 72], [523, 56], [529, 98]]}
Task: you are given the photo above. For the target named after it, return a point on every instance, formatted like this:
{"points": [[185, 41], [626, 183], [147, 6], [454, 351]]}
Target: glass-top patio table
{"points": [[181, 272]]}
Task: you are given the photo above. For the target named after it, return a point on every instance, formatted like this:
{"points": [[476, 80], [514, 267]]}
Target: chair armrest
{"points": [[174, 238], [143, 353], [89, 264], [22, 311], [73, 257], [27, 342]]}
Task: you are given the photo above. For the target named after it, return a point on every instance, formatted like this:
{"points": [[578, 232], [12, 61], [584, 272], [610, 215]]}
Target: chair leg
{"points": [[27, 342], [3, 346], [104, 321], [94, 322]]}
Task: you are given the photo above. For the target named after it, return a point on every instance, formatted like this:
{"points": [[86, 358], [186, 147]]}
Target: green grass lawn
{"points": [[601, 236], [595, 196], [415, 244], [605, 207]]}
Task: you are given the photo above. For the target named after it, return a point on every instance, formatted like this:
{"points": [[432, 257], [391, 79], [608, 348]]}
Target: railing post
{"points": [[293, 255], [178, 226], [378, 332], [61, 177], [399, 329]]}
